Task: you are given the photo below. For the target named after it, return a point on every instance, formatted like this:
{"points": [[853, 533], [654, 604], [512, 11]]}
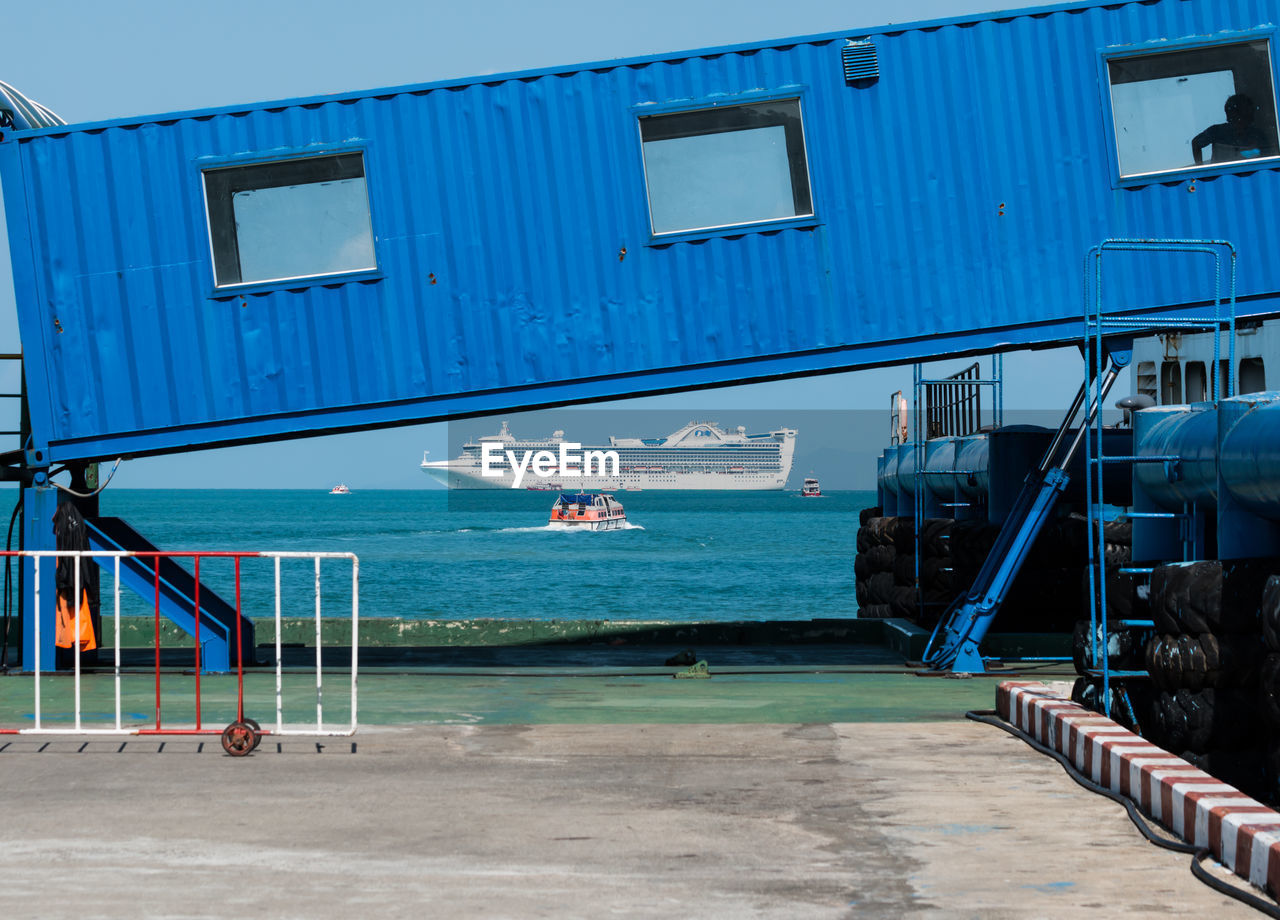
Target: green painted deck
{"points": [[738, 691], [507, 672]]}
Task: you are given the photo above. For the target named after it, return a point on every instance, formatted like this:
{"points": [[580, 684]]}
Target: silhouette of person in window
{"points": [[1237, 139]]}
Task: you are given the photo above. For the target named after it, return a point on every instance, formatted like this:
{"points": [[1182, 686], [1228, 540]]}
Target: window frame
{"points": [[266, 158], [1159, 46], [641, 111]]}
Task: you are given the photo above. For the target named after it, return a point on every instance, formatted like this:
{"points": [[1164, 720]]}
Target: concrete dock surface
{"points": [[735, 820]]}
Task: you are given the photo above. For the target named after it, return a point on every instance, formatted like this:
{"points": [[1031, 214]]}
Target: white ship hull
{"points": [[466, 477], [700, 456]]}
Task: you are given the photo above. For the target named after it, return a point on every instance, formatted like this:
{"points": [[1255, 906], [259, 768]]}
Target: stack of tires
{"points": [[1045, 595], [1269, 684], [884, 568], [938, 579], [1126, 598], [1207, 663], [968, 546]]}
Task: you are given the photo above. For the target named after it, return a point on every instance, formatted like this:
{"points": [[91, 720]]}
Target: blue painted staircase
{"points": [[177, 594]]}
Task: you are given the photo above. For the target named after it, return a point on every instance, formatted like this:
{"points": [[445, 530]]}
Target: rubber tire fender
{"points": [[1270, 612], [874, 612]]}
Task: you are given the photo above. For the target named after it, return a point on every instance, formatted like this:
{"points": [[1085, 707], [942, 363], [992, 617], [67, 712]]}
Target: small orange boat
{"points": [[588, 510]]}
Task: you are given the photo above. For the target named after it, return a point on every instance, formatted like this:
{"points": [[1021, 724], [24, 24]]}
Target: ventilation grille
{"points": [[860, 61]]}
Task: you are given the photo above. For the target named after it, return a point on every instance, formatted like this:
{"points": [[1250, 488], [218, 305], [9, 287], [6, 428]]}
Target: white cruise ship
{"points": [[698, 456]]}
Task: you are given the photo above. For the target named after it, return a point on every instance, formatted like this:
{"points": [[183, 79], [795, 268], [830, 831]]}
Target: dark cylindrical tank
{"points": [[972, 475], [1250, 458], [889, 474], [1189, 433], [907, 469], [1018, 449], [940, 466]]}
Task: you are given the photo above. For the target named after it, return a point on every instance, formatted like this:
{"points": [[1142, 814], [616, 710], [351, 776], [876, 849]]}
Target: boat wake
{"points": [[544, 528], [566, 528]]}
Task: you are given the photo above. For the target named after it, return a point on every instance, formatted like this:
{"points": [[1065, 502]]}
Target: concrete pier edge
{"points": [[902, 636], [1242, 833]]}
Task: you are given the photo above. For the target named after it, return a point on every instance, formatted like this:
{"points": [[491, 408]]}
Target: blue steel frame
{"points": [[1097, 329], [1162, 46]]}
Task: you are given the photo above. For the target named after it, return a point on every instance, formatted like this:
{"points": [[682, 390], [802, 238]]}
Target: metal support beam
{"points": [[39, 504]]}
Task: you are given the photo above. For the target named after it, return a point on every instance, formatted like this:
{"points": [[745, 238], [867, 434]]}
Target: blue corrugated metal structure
{"points": [[954, 195]]}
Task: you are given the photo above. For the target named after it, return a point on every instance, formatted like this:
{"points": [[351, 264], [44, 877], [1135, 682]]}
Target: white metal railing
{"points": [[118, 727]]}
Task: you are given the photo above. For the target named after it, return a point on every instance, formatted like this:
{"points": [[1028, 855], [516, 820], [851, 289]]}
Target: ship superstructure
{"points": [[701, 455], [1173, 369]]}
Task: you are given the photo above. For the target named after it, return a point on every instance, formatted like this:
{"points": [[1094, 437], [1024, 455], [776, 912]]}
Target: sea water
{"points": [[428, 554]]}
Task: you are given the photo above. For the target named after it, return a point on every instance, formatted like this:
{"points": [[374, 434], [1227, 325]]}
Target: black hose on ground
{"points": [[1270, 908]]}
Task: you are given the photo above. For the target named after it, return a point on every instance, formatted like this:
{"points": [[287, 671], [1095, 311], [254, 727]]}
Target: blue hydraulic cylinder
{"points": [[957, 643]]}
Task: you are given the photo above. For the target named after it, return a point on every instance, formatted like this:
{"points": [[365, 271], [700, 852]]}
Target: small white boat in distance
{"points": [[589, 511], [810, 489], [340, 489]]}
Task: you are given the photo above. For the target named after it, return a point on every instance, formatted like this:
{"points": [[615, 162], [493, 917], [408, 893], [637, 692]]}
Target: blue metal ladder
{"points": [[1098, 324]]}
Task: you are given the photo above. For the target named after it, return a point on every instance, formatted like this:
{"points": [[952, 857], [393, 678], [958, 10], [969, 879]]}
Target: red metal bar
{"points": [[239, 652], [159, 553], [197, 593], [157, 561]]}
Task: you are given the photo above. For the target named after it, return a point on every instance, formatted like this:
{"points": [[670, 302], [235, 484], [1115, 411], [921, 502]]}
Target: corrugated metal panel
{"points": [[954, 200]]}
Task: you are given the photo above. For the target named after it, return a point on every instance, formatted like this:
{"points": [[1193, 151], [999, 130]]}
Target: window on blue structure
{"points": [[725, 166], [289, 219], [1177, 110]]}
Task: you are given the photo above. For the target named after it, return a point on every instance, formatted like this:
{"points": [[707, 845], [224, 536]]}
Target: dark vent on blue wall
{"points": [[860, 61]]}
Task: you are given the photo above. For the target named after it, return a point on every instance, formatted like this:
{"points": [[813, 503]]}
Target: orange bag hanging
{"points": [[64, 635]]}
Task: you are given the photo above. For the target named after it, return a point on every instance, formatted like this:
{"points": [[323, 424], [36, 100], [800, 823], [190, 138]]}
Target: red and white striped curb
{"points": [[1242, 833]]}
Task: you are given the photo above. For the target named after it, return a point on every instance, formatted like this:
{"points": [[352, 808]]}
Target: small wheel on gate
{"points": [[238, 739], [257, 731]]}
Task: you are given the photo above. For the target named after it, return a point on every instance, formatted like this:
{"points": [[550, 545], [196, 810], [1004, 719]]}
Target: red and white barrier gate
{"points": [[244, 733]]}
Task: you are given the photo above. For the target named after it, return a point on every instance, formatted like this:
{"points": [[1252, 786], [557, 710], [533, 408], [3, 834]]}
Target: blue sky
{"points": [[89, 61]]}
